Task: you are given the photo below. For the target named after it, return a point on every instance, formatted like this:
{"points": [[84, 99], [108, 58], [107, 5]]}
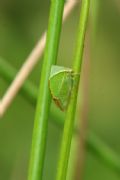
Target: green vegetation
{"points": [[21, 25], [70, 114], [44, 98]]}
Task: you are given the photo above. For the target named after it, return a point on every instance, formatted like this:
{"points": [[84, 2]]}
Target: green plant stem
{"points": [[44, 97], [93, 144], [70, 114]]}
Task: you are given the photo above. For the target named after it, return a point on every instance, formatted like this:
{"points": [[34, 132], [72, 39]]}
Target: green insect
{"points": [[61, 84]]}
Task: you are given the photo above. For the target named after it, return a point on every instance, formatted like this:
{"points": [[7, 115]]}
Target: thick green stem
{"points": [[70, 115], [44, 98]]}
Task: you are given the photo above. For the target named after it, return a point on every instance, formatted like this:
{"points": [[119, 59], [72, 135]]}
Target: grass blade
{"points": [[70, 115], [44, 98]]}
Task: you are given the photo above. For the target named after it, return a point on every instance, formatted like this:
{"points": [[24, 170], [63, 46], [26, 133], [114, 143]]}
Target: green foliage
{"points": [[18, 34]]}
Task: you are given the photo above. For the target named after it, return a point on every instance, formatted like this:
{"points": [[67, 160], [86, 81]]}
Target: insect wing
{"points": [[60, 86]]}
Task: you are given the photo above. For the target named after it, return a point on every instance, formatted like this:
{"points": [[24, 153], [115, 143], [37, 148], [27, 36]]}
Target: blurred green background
{"points": [[22, 22]]}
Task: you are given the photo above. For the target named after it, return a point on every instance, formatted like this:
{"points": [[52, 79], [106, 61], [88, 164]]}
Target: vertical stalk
{"points": [[70, 115], [44, 98]]}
